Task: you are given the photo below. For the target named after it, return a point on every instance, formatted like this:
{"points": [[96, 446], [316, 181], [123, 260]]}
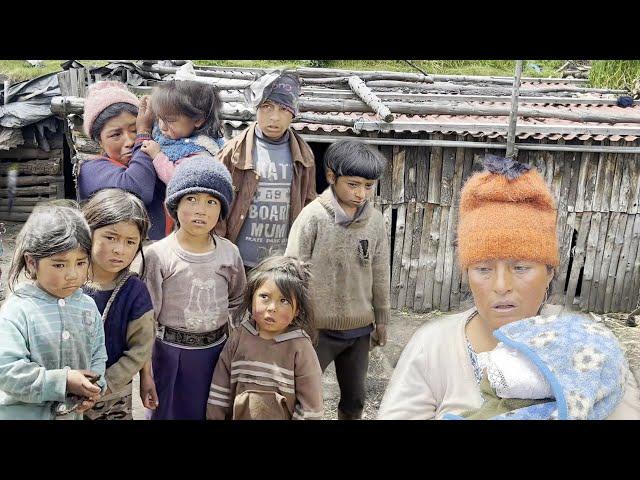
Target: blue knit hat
{"points": [[200, 174]]}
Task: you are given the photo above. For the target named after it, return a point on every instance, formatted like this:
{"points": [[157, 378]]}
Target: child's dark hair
{"points": [[113, 205], [352, 158], [193, 99], [49, 230], [107, 114], [291, 276]]}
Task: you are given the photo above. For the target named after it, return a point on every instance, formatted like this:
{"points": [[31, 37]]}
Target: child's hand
{"points": [[78, 384], [148, 393], [144, 121], [150, 147], [379, 336]]}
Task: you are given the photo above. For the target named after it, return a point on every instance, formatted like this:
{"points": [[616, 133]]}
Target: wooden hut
{"points": [[435, 130]]}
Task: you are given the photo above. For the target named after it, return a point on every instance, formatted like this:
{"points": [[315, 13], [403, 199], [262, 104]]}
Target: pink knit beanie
{"points": [[102, 95]]}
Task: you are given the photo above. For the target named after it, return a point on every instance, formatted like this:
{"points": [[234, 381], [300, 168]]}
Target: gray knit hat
{"points": [[200, 174]]}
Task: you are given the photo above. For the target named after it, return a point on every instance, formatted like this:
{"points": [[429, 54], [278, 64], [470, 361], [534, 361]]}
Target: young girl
{"points": [[52, 352], [196, 280], [269, 370], [188, 124], [119, 122], [119, 223]]}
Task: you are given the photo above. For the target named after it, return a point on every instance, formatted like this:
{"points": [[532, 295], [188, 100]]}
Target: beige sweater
{"points": [[434, 376], [349, 265]]}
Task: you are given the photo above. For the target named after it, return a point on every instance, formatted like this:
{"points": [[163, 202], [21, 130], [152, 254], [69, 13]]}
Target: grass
{"points": [[19, 70], [615, 74]]}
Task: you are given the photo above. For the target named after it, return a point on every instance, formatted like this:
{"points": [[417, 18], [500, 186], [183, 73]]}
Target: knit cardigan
{"points": [[349, 264]]}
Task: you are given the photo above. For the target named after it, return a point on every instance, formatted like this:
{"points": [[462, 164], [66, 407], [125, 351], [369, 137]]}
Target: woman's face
{"points": [[505, 291], [118, 136]]}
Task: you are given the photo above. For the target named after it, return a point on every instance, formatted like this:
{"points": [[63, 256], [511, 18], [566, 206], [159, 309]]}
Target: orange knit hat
{"points": [[507, 212]]}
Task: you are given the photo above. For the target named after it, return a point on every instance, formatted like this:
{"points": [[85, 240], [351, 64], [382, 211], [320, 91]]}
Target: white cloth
{"points": [[512, 375]]}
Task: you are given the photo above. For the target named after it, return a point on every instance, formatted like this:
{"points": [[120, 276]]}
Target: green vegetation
{"points": [[19, 70], [615, 74]]}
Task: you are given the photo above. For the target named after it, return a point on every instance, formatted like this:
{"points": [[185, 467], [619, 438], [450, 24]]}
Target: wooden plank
{"points": [[24, 201], [596, 286], [589, 260], [448, 167], [440, 259], [29, 191], [396, 263], [613, 264], [422, 174], [615, 187], [398, 174], [592, 173], [630, 296], [386, 181], [467, 170], [50, 166], [37, 179], [549, 172], [609, 172], [406, 254], [386, 215], [582, 181], [556, 178], [573, 160], [445, 293], [600, 180], [410, 174], [624, 265], [606, 259], [634, 191], [634, 297], [14, 217], [578, 257], [418, 302], [435, 172], [17, 209], [19, 154], [453, 224], [625, 183], [536, 157], [432, 252], [416, 243], [565, 232]]}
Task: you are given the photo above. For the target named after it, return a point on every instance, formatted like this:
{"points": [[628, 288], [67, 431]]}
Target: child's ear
{"points": [[199, 122], [30, 265], [331, 177]]}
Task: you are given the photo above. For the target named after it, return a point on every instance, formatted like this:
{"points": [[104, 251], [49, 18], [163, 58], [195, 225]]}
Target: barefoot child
{"points": [[268, 370], [52, 352], [119, 222]]}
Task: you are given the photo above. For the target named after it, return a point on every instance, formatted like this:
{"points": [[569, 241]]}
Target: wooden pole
{"points": [[6, 91], [513, 118], [361, 90]]}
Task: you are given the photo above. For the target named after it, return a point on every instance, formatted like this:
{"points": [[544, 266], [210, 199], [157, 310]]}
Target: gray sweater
{"points": [[349, 264]]}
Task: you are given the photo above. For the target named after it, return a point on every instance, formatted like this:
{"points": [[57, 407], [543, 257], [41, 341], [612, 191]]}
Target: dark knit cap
{"points": [[200, 174], [281, 88]]}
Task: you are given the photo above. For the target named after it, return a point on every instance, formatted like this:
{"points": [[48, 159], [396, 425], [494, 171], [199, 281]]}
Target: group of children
{"points": [[220, 321]]}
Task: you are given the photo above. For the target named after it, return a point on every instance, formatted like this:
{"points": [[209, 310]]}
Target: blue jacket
{"points": [[41, 338], [580, 358]]}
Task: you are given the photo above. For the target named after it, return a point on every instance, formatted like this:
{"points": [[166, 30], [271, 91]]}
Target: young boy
{"points": [[344, 239], [273, 171]]}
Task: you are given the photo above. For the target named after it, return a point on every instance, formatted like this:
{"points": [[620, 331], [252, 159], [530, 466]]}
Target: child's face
{"points": [[273, 119], [271, 311], [198, 213], [118, 136], [178, 126], [114, 247], [61, 274], [351, 192]]}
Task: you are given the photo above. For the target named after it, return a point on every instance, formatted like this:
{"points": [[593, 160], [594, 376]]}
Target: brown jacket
{"points": [[237, 157]]}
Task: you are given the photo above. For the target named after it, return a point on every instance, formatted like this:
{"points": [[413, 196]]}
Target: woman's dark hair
{"points": [[352, 158], [107, 114], [194, 99], [113, 205], [291, 276]]}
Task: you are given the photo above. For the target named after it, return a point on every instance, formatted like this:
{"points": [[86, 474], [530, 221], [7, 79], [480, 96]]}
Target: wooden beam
{"points": [[367, 96], [513, 114]]}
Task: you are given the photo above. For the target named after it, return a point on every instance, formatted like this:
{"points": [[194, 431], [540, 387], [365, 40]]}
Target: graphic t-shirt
{"points": [[266, 228]]}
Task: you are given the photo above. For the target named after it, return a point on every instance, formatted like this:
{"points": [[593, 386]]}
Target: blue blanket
{"points": [[184, 147]]}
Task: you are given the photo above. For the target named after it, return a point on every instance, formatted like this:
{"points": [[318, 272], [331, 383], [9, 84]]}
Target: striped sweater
{"points": [[41, 338], [259, 379]]}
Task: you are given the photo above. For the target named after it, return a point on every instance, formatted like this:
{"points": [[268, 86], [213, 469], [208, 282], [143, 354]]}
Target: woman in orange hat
{"points": [[507, 243]]}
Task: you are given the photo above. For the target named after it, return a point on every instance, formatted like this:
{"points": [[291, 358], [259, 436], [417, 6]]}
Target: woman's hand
{"points": [[144, 121], [78, 384], [148, 393], [88, 404], [150, 147]]}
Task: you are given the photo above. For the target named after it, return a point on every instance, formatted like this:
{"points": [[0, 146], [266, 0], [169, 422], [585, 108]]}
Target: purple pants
{"points": [[183, 378]]}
